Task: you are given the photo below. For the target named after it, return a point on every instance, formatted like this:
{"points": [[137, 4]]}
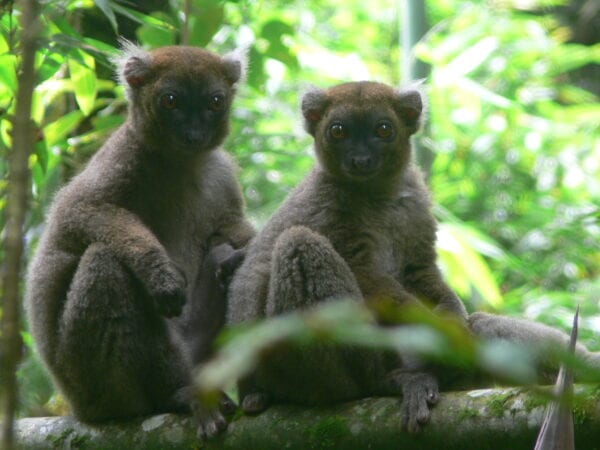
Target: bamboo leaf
{"points": [[108, 12], [60, 129], [473, 266], [8, 72], [84, 81]]}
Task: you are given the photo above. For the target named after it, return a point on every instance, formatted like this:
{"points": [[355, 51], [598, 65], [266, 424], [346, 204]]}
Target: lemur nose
{"points": [[362, 162]]}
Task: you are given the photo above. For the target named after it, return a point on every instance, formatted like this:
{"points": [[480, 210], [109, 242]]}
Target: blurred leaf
{"points": [[274, 31], [103, 126], [154, 36], [568, 57], [8, 72], [50, 63], [41, 153], [508, 360], [471, 58], [206, 20], [84, 81], [256, 74], [349, 323], [141, 18], [108, 12], [341, 322], [60, 129], [457, 245], [4, 47], [64, 43]]}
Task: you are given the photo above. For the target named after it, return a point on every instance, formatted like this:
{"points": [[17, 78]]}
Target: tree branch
{"points": [[482, 419]]}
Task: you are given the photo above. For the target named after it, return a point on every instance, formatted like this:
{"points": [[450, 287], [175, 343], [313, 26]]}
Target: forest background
{"points": [[511, 150]]}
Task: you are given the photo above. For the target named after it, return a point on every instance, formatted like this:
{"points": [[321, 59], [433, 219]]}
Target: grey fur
{"points": [[337, 235], [542, 339], [126, 241]]}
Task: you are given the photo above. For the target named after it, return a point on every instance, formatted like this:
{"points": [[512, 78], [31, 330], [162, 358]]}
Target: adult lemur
{"points": [[359, 226], [127, 239]]}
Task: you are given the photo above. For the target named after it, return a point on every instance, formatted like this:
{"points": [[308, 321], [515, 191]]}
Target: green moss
{"points": [[79, 441], [467, 413], [533, 401], [585, 404], [496, 403], [237, 415], [59, 440], [327, 433]]}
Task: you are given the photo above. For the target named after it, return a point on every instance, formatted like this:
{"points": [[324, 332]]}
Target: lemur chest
{"points": [[183, 221], [375, 235]]}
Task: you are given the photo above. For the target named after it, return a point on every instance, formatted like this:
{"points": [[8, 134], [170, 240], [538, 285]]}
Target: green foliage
{"points": [[505, 117], [348, 323], [516, 174]]}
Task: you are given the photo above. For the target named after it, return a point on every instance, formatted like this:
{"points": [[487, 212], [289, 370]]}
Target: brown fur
{"points": [[359, 225], [346, 234], [126, 242]]}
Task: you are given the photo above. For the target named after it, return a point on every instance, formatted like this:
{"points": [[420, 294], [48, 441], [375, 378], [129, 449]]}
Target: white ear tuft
{"points": [[412, 104], [314, 103], [236, 64], [133, 65]]}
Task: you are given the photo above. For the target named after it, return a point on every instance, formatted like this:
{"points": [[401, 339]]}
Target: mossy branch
{"points": [[481, 419]]}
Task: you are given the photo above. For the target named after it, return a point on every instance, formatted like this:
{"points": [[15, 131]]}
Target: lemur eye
{"points": [[168, 101], [337, 131], [217, 102], [384, 130]]}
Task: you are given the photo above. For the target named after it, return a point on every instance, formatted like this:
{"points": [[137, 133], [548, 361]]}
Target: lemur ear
{"points": [[410, 107], [134, 66], [236, 65], [136, 71], [314, 103]]}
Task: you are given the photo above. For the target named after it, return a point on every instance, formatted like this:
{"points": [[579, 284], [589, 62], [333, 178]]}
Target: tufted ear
{"points": [[236, 65], [314, 103], [133, 66], [410, 107]]}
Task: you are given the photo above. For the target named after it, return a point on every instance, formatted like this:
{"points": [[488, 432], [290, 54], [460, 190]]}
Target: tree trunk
{"points": [[23, 134], [481, 419], [413, 26]]}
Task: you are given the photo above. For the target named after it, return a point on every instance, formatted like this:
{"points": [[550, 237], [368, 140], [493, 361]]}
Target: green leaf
{"points": [[84, 81], [103, 126], [50, 62], [154, 36], [108, 12], [4, 47], [41, 153], [256, 75], [273, 31], [205, 21], [569, 57], [510, 360], [471, 58], [456, 247], [8, 72], [142, 18], [60, 129]]}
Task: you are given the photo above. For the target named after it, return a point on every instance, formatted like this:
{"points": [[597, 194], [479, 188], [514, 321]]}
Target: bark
{"points": [[16, 209], [482, 419]]}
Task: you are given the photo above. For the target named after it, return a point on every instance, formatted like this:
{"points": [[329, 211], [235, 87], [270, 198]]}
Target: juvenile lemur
{"points": [[127, 239], [360, 225]]}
